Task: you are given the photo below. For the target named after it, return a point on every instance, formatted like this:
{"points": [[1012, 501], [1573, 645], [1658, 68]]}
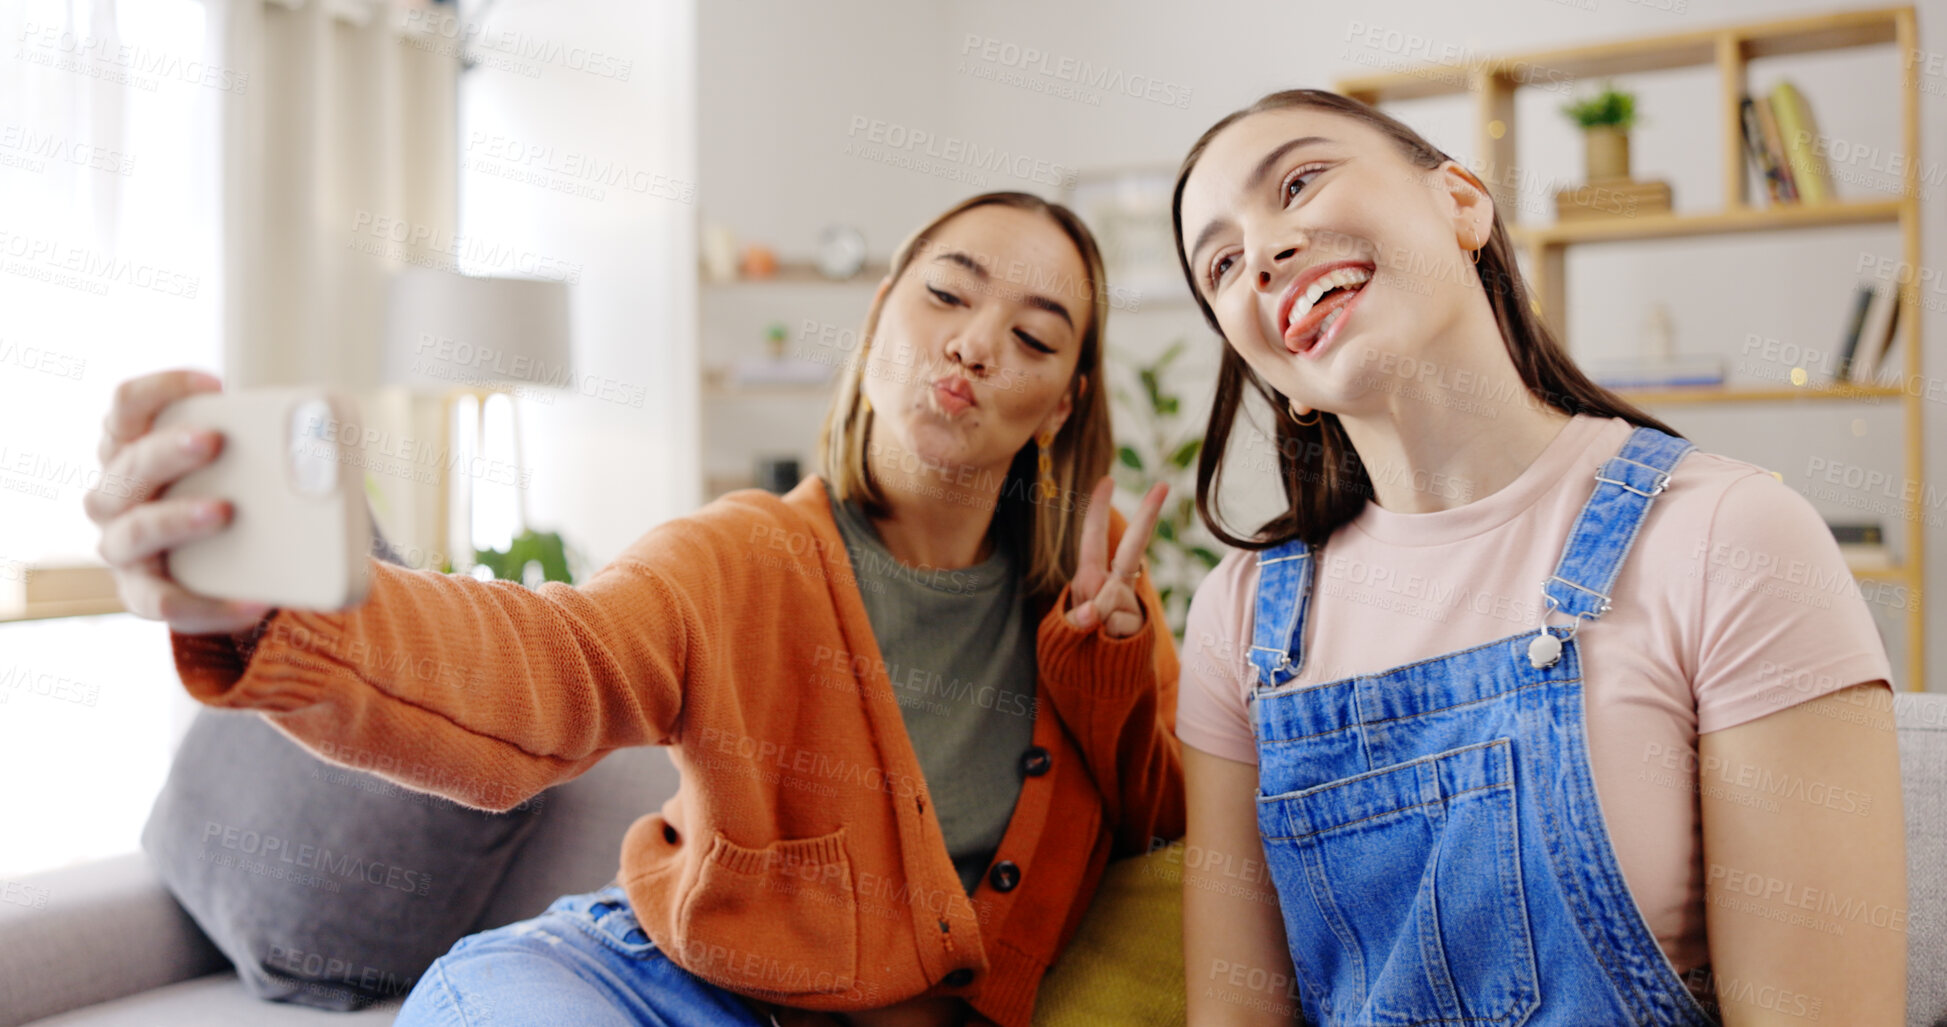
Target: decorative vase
{"points": [[1607, 152]]}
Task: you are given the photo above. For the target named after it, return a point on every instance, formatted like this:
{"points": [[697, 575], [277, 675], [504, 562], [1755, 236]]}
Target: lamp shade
{"points": [[445, 330]]}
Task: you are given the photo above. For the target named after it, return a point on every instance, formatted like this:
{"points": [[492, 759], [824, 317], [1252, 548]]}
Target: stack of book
{"points": [[1870, 333], [1781, 140]]}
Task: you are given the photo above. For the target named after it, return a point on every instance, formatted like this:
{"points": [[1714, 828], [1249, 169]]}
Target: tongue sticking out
{"points": [[1308, 329]]}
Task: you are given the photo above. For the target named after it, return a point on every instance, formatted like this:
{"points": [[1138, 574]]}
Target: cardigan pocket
{"points": [[777, 921]]}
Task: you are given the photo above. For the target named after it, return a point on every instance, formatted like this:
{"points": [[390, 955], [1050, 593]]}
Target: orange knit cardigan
{"points": [[801, 861]]}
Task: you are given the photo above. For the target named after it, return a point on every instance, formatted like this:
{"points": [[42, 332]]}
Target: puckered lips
{"points": [[953, 393], [1317, 303]]}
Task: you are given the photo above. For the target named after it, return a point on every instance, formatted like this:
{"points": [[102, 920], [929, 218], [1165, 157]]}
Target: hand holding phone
{"points": [[215, 507]]}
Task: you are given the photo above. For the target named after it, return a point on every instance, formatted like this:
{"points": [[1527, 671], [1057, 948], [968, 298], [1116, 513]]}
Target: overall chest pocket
{"points": [[1401, 892]]}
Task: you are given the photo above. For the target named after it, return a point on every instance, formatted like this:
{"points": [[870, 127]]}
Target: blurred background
{"points": [[689, 204]]}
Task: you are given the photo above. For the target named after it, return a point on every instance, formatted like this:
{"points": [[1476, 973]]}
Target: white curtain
{"points": [[339, 166], [109, 194]]}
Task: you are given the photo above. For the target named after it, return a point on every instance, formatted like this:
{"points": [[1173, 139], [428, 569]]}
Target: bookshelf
{"points": [[1492, 84]]}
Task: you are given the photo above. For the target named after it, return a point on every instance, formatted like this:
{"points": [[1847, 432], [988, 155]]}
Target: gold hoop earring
{"points": [[1292, 409], [1045, 462]]}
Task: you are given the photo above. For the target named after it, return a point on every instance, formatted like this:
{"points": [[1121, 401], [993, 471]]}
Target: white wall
{"points": [[577, 145], [779, 87]]}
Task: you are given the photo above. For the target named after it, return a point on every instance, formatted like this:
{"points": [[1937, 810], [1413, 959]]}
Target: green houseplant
{"points": [[1606, 119], [1154, 444], [544, 550]]}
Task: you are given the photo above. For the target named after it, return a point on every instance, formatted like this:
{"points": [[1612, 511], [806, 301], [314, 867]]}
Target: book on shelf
{"points": [[1862, 303], [1774, 148], [1764, 155], [1863, 544], [1876, 334], [1799, 134], [1639, 373]]}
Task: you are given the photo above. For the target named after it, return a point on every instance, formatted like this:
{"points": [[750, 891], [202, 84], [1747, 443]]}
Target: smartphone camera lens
{"points": [[314, 453]]}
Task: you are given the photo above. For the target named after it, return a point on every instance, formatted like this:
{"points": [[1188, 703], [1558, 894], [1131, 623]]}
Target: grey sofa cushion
{"points": [[1922, 722], [325, 886]]}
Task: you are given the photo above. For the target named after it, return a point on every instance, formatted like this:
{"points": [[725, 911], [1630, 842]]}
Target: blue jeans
{"points": [[583, 963]]}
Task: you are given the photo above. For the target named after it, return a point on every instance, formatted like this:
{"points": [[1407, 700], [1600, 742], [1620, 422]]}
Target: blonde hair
{"points": [[1046, 527]]}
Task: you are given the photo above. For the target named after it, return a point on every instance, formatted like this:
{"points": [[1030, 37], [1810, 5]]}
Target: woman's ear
{"points": [[1471, 205], [1059, 416]]}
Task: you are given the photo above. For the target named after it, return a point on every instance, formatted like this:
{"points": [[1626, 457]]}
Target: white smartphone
{"points": [[299, 535]]}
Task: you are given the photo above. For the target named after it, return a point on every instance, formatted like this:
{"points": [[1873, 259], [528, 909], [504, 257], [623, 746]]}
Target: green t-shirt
{"points": [[960, 654]]}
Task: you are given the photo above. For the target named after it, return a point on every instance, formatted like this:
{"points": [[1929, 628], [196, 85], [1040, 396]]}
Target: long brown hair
{"points": [[1046, 527], [1325, 482]]}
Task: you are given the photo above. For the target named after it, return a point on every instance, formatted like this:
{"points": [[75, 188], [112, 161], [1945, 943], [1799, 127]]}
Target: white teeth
{"points": [[1345, 276]]}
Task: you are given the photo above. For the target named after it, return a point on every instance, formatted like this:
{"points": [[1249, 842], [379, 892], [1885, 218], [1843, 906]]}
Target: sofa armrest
{"points": [[81, 935]]}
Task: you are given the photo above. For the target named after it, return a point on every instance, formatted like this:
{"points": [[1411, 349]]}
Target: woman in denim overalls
{"points": [[1432, 847]]}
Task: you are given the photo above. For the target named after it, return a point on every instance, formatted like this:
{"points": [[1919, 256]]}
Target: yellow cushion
{"points": [[1125, 966]]}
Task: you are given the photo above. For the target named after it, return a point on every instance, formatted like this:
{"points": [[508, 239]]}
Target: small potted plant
{"points": [[1606, 119]]}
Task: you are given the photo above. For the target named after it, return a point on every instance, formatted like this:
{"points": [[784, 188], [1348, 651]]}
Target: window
{"points": [[109, 193]]}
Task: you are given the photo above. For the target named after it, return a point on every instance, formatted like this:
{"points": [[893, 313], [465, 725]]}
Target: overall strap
{"points": [[1284, 587], [1626, 484]]}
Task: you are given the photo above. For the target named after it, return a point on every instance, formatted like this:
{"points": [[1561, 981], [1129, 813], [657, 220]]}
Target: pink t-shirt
{"points": [[1733, 603]]}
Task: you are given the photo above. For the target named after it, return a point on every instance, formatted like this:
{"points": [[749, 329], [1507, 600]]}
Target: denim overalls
{"points": [[1432, 830]]}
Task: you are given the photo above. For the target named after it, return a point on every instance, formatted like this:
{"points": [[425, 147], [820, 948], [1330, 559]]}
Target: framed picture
{"points": [[1129, 212]]}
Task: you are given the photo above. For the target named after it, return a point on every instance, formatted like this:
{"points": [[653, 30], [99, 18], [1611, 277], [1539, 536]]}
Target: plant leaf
{"points": [[1209, 558], [1186, 453], [1129, 457]]}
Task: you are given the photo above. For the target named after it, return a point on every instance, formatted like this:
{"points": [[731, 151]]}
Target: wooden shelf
{"points": [[1728, 222], [1703, 394], [1492, 84], [1810, 34], [799, 272], [1881, 571]]}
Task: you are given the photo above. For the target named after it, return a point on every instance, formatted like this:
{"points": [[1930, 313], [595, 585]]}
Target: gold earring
{"points": [[1292, 408], [1046, 463], [1477, 254]]}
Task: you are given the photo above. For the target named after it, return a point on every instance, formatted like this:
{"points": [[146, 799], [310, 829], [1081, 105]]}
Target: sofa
{"points": [[106, 945]]}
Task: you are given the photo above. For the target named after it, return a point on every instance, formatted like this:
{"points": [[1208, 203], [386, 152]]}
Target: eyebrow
{"points": [[1257, 175], [979, 271]]}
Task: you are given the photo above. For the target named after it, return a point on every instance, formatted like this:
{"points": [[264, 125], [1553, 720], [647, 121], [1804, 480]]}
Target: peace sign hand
{"points": [[1104, 593]]}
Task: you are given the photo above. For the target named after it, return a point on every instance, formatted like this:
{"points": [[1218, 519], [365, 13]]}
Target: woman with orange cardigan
{"points": [[916, 702]]}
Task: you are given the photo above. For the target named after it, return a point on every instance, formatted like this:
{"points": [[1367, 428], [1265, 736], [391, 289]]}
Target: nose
{"points": [[976, 345], [1268, 267]]}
